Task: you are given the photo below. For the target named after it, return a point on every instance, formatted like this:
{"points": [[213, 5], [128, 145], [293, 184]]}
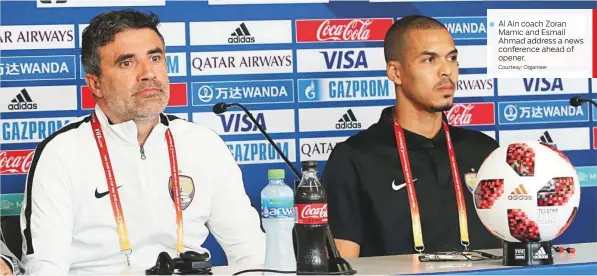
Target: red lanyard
{"points": [[412, 196], [125, 245]]}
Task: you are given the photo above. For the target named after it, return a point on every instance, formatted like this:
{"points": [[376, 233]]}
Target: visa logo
{"points": [[542, 84], [345, 59], [241, 122]]}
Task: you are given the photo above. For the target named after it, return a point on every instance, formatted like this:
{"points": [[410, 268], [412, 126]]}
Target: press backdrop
{"points": [[310, 83]]}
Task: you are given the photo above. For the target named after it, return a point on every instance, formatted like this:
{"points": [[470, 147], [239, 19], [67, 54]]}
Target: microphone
{"points": [[578, 101], [335, 263], [220, 108]]}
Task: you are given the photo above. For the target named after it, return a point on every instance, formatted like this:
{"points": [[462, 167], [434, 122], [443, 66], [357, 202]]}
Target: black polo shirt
{"points": [[362, 173]]}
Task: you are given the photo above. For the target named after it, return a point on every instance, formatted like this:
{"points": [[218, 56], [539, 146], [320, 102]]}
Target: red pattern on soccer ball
{"points": [[557, 151], [521, 158], [521, 227], [572, 215], [487, 192], [557, 192]]}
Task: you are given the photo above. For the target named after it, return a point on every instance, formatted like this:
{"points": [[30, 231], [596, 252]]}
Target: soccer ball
{"points": [[526, 192]]}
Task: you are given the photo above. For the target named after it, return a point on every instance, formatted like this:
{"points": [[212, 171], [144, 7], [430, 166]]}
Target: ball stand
{"points": [[527, 253]]}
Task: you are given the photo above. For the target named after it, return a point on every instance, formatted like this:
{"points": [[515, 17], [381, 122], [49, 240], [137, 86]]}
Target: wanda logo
{"points": [[338, 30], [471, 114], [15, 161]]}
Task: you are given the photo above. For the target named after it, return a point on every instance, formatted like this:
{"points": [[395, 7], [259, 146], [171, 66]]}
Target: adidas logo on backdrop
{"points": [[241, 35], [546, 138], [22, 101], [348, 121]]}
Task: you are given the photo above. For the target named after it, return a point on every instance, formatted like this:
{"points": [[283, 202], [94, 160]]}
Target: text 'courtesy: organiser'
{"points": [[539, 43]]}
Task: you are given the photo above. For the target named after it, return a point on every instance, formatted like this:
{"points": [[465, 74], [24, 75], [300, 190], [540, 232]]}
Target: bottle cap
{"points": [[309, 164], [275, 174]]}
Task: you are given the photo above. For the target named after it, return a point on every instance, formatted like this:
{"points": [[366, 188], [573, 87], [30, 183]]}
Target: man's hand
{"points": [[5, 268], [348, 249]]}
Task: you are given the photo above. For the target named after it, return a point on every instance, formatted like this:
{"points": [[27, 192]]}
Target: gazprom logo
{"points": [[345, 89], [261, 151]]}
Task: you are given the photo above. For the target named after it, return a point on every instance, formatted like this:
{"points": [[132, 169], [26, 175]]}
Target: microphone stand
{"points": [[269, 139], [578, 101], [335, 262]]}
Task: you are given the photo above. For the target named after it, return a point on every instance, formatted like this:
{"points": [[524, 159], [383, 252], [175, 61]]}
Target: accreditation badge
{"points": [[469, 179]]}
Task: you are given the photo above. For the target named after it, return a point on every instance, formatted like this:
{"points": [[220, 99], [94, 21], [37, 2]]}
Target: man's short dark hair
{"points": [[396, 37], [103, 28]]}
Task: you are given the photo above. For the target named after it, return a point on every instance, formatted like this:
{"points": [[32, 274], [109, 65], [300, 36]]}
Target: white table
{"points": [[409, 264]]}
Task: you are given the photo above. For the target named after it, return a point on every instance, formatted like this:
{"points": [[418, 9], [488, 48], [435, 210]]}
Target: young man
{"points": [[373, 208], [112, 190]]}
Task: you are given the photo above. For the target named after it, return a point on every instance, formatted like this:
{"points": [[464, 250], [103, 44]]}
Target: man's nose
{"points": [[444, 69], [146, 71]]}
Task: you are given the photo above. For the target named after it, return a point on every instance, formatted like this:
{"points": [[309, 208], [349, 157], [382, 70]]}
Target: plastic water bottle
{"points": [[278, 218]]}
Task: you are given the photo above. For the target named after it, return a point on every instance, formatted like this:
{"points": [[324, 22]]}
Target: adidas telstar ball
{"points": [[526, 192]]}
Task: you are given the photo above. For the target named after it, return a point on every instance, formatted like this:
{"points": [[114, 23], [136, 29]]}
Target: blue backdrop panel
{"points": [[287, 103]]}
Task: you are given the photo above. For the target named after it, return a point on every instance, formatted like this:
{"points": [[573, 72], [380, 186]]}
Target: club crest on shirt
{"points": [[187, 190], [469, 179]]}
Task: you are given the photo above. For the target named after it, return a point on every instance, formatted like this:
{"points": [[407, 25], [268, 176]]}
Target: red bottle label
{"points": [[315, 213]]}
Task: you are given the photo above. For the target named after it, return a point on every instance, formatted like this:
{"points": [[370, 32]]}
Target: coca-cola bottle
{"points": [[312, 220]]}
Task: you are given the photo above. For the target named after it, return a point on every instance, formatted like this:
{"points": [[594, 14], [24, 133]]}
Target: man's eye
{"points": [[125, 63]]}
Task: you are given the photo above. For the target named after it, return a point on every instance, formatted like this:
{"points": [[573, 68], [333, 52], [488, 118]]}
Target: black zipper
{"points": [[142, 153]]}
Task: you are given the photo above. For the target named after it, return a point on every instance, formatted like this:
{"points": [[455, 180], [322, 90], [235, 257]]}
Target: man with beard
{"points": [[105, 193], [397, 187]]}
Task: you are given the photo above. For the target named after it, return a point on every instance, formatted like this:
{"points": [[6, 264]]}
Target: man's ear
{"points": [[393, 72], [93, 82]]}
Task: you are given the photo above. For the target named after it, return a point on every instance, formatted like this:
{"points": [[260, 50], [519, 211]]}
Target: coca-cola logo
{"points": [[315, 212], [15, 161], [460, 114], [467, 114], [342, 30], [354, 30]]}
